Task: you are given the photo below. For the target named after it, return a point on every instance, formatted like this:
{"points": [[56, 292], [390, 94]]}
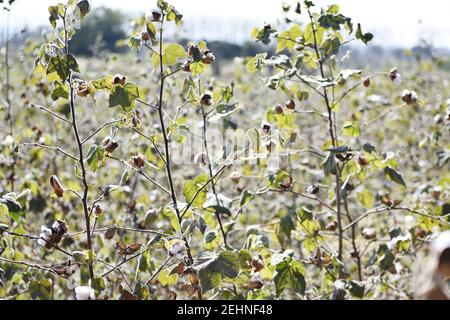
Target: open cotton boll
{"points": [[178, 249], [46, 232], [410, 222], [431, 280], [84, 293], [41, 242], [441, 243]]}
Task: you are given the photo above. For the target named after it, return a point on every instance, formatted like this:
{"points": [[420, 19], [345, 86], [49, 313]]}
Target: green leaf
{"points": [[105, 83], [172, 53], [151, 30], [223, 111], [40, 289], [280, 180], [366, 198], [246, 197], [191, 187], [287, 225], [62, 66], [364, 37], [331, 20], [221, 204], [290, 274], [79, 256], [367, 147], [288, 39], [341, 149], [13, 205], [256, 63], [210, 236], [197, 68], [124, 96], [60, 90], [394, 176], [351, 129], [212, 268], [263, 34], [329, 164], [331, 46], [54, 16], [245, 257], [95, 157]]}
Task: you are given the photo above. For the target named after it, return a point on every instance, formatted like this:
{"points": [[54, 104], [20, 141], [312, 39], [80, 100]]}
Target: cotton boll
{"points": [[441, 243], [46, 232], [178, 249], [409, 222], [398, 80], [42, 242], [84, 293]]}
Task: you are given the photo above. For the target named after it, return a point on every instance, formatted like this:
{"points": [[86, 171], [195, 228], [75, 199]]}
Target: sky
{"points": [[397, 23]]}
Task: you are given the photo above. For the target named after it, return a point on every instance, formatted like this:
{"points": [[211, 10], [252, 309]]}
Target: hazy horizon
{"points": [[401, 25]]}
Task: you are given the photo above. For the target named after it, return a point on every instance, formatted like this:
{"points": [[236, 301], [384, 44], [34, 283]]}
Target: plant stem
{"points": [[335, 145], [213, 185], [9, 115], [356, 253], [166, 142], [84, 199], [163, 126]]}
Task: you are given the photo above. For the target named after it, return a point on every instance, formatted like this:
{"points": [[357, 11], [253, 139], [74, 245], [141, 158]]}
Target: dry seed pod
{"points": [[178, 269], [366, 82], [172, 295], [209, 57], [363, 161], [156, 15], [57, 186], [139, 161], [110, 233], [257, 264], [119, 79], [235, 176], [265, 127], [409, 97], [193, 278], [286, 183], [278, 108], [332, 226], [111, 145], [255, 282], [186, 66], [290, 104], [436, 193], [395, 76], [312, 189], [126, 295], [98, 211], [421, 233], [369, 234], [206, 100], [145, 36], [50, 237], [84, 6], [83, 90]]}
